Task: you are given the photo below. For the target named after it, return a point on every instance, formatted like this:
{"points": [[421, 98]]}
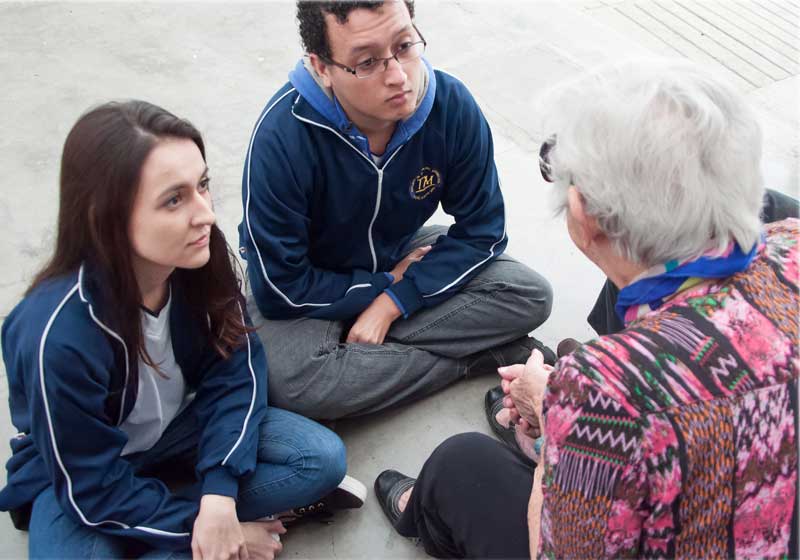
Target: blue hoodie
{"points": [[324, 223], [72, 385]]}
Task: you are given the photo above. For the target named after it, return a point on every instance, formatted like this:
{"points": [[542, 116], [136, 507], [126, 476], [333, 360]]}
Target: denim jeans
{"points": [[315, 373], [299, 461]]}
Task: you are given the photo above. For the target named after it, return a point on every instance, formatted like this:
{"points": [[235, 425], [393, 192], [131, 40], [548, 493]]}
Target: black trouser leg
{"points": [[778, 206], [604, 320], [471, 501]]}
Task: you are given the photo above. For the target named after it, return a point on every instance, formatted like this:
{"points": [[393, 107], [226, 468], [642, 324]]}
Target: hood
{"points": [[322, 99]]}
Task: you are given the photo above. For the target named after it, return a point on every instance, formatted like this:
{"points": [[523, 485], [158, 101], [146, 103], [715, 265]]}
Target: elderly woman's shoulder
{"points": [[785, 233]]}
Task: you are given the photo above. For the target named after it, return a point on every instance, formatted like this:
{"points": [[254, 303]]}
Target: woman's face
{"points": [[171, 220]]}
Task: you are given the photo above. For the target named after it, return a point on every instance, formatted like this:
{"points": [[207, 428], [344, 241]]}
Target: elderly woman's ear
{"points": [[582, 227]]}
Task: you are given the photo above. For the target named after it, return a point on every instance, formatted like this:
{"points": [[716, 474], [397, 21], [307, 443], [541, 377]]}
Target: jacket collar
{"points": [[324, 109]]}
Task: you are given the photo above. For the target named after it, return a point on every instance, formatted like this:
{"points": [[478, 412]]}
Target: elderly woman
{"points": [[676, 436]]}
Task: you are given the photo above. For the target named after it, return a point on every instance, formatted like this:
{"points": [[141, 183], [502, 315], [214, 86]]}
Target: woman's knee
{"points": [[459, 456], [333, 458], [54, 534], [324, 461]]}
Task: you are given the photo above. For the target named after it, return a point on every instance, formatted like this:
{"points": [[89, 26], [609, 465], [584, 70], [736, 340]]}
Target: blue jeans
{"points": [[299, 461]]}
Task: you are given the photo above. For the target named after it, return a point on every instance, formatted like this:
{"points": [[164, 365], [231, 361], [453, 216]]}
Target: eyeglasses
{"points": [[544, 158], [406, 53]]}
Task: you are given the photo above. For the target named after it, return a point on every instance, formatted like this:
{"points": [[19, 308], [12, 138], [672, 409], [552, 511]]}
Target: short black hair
{"points": [[314, 30]]}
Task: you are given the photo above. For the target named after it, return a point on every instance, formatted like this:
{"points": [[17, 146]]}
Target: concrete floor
{"points": [[217, 64]]}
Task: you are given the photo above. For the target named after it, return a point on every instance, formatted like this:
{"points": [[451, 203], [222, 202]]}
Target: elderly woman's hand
{"points": [[525, 385]]}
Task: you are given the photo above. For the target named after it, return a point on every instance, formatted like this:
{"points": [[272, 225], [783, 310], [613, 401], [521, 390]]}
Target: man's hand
{"points": [[525, 386], [258, 536], [414, 256], [217, 534], [374, 322]]}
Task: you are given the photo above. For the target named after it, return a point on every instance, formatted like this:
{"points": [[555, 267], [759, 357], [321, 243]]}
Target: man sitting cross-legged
{"points": [[360, 307]]}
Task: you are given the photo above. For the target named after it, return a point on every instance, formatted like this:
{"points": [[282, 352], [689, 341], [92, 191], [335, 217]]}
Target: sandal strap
{"points": [[393, 496]]}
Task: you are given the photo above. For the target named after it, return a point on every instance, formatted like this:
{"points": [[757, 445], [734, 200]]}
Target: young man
{"points": [[363, 308]]}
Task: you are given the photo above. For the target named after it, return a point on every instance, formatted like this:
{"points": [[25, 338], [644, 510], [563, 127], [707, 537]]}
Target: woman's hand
{"points": [[217, 534], [258, 536], [525, 386]]}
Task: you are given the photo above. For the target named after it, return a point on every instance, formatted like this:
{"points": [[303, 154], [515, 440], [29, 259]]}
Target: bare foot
{"points": [[403, 501], [503, 417]]}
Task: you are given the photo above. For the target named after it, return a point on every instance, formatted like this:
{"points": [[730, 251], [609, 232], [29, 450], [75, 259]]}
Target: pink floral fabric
{"points": [[677, 436]]}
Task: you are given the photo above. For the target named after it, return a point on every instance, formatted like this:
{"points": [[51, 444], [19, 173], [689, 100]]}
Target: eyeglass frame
{"points": [[385, 60], [545, 168]]}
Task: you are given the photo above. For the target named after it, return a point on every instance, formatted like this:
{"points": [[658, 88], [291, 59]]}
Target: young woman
{"points": [[131, 352]]}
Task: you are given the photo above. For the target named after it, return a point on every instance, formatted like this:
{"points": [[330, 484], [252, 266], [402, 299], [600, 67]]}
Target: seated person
{"points": [[138, 310], [676, 436], [604, 320], [359, 306]]}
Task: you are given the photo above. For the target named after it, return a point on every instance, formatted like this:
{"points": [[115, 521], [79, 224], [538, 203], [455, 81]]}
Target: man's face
{"points": [[384, 97]]}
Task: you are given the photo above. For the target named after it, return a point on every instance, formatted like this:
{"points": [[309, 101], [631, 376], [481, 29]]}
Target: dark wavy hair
{"points": [[100, 171], [313, 28]]}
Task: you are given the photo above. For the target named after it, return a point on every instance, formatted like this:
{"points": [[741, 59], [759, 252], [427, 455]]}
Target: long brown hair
{"points": [[100, 171]]}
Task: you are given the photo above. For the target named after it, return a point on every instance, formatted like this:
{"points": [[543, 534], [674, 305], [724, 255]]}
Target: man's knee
{"points": [[281, 395], [312, 391], [527, 295]]}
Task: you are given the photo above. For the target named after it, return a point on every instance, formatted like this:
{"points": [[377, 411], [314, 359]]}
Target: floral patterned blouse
{"points": [[677, 436]]}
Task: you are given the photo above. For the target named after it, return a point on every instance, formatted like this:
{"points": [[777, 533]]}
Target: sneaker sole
{"points": [[352, 494]]}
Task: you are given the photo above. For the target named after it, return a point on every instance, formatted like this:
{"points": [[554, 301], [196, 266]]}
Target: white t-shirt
{"points": [[161, 396]]}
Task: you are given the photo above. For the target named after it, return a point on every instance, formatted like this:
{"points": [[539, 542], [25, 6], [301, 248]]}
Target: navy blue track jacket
{"points": [[71, 386], [323, 223]]}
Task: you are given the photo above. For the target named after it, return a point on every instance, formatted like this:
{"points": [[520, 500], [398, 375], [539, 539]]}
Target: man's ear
{"points": [[322, 69], [586, 225]]}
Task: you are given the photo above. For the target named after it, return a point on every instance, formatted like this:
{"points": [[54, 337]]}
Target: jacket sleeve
{"points": [[230, 404], [472, 196], [80, 447], [595, 470], [276, 192]]}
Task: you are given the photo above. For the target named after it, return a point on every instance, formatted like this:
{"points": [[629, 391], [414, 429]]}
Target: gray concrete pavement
{"points": [[218, 63]]}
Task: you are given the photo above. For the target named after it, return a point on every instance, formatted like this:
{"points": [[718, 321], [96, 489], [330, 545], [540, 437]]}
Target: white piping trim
{"points": [[377, 205], [56, 452], [457, 280], [305, 120], [378, 208], [111, 333], [252, 398], [247, 210], [247, 202], [372, 221], [380, 181], [356, 286], [160, 532]]}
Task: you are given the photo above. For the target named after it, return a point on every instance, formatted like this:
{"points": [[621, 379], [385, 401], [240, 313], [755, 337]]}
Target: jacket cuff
{"points": [[219, 480], [406, 296]]}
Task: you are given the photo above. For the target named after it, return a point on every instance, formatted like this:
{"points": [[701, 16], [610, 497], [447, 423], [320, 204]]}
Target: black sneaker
{"points": [[515, 352], [350, 494]]}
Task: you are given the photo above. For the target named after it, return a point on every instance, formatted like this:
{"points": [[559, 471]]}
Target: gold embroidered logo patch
{"points": [[427, 181]]}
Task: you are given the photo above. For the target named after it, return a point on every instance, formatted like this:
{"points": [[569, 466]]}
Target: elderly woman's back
{"points": [[677, 436]]}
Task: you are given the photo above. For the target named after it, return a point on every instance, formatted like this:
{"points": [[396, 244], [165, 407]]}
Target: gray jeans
{"points": [[312, 372]]}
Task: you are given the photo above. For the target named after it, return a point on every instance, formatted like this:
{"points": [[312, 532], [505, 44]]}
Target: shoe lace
{"points": [[317, 512]]}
